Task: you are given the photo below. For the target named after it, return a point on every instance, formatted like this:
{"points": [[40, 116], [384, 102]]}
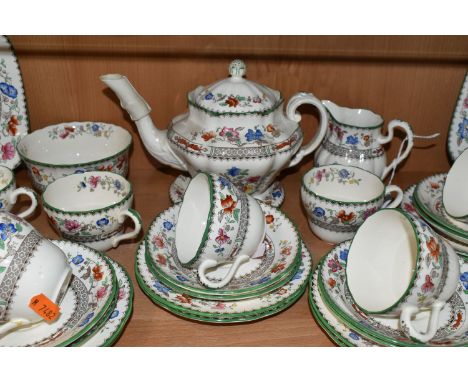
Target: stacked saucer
{"points": [[94, 302], [271, 279]]}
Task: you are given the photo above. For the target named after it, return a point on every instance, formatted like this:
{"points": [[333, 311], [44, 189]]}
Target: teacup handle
{"points": [[210, 263], [135, 216], [398, 198], [12, 324], [28, 192], [407, 326], [296, 101], [385, 139]]}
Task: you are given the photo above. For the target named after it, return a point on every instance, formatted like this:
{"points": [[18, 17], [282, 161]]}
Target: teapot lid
{"points": [[236, 95]]}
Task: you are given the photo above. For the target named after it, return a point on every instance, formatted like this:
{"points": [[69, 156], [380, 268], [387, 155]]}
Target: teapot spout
{"points": [[154, 140]]}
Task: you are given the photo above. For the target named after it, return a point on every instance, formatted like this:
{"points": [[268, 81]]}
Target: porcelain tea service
{"points": [[234, 127], [338, 199], [30, 265], [9, 193], [354, 137], [455, 189], [91, 208]]}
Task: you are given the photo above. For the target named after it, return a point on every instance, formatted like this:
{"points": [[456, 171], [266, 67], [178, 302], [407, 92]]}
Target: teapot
{"points": [[234, 127]]}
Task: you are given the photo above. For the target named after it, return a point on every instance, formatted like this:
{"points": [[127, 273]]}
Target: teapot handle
{"points": [[401, 156], [296, 101]]}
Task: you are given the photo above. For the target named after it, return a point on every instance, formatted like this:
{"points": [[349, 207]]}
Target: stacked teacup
{"points": [[222, 256], [57, 293]]}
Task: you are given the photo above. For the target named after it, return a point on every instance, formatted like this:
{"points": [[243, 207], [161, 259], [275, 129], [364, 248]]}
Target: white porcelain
{"points": [[29, 265], [91, 207], [59, 150], [9, 193], [338, 199], [355, 138], [397, 266], [455, 192], [234, 127], [14, 119], [218, 224], [457, 137]]}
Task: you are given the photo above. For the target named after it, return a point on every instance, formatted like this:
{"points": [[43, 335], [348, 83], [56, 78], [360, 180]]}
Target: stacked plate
{"points": [[336, 312], [95, 309], [263, 286]]}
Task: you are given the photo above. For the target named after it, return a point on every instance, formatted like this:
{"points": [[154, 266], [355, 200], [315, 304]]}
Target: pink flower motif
{"points": [[408, 207], [220, 305], [8, 151], [369, 212], [101, 292], [428, 285], [121, 294], [222, 237], [465, 103], [94, 180], [230, 133], [71, 225], [319, 175]]}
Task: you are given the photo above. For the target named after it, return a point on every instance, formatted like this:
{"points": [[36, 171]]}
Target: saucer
{"points": [[113, 325], [427, 199], [453, 323], [257, 276], [91, 294], [335, 329], [14, 119], [408, 206], [222, 311], [273, 195]]}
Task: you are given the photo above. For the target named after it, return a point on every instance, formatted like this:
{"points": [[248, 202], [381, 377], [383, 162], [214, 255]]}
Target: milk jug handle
{"points": [[409, 143], [292, 114]]}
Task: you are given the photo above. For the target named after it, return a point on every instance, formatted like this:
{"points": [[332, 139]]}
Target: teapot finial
{"points": [[237, 69]]}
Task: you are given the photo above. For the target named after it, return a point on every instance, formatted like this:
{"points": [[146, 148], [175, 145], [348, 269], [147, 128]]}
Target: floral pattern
{"points": [[351, 137], [231, 101], [71, 132], [104, 183], [457, 139], [333, 175]]}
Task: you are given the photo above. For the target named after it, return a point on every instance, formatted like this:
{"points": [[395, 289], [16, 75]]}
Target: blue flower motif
{"points": [[102, 222], [344, 254], [253, 135], [261, 281], [298, 274], [95, 127], [277, 194], [168, 225], [319, 212], [464, 279], [219, 250], [78, 259], [1, 204], [354, 336], [224, 182], [87, 319], [161, 288], [462, 128], [114, 314], [82, 184], [343, 173], [117, 184], [352, 140], [209, 96], [8, 90], [181, 278], [234, 171], [6, 230], [79, 171]]}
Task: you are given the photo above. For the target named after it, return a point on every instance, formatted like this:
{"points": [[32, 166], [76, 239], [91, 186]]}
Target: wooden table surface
{"points": [[151, 325]]}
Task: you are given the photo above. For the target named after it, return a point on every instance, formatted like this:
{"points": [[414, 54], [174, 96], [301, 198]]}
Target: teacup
{"points": [[91, 207], [29, 265], [397, 266], [9, 193], [455, 193], [338, 199], [218, 224]]}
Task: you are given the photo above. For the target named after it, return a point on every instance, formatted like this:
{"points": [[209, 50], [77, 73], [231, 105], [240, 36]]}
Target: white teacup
{"points": [[218, 224], [455, 193], [9, 193], [338, 199], [29, 265], [91, 207], [397, 266]]}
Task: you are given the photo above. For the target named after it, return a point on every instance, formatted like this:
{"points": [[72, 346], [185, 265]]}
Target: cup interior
{"points": [[87, 191], [343, 184], [193, 221], [6, 176], [74, 143], [354, 117], [455, 190], [382, 260]]}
